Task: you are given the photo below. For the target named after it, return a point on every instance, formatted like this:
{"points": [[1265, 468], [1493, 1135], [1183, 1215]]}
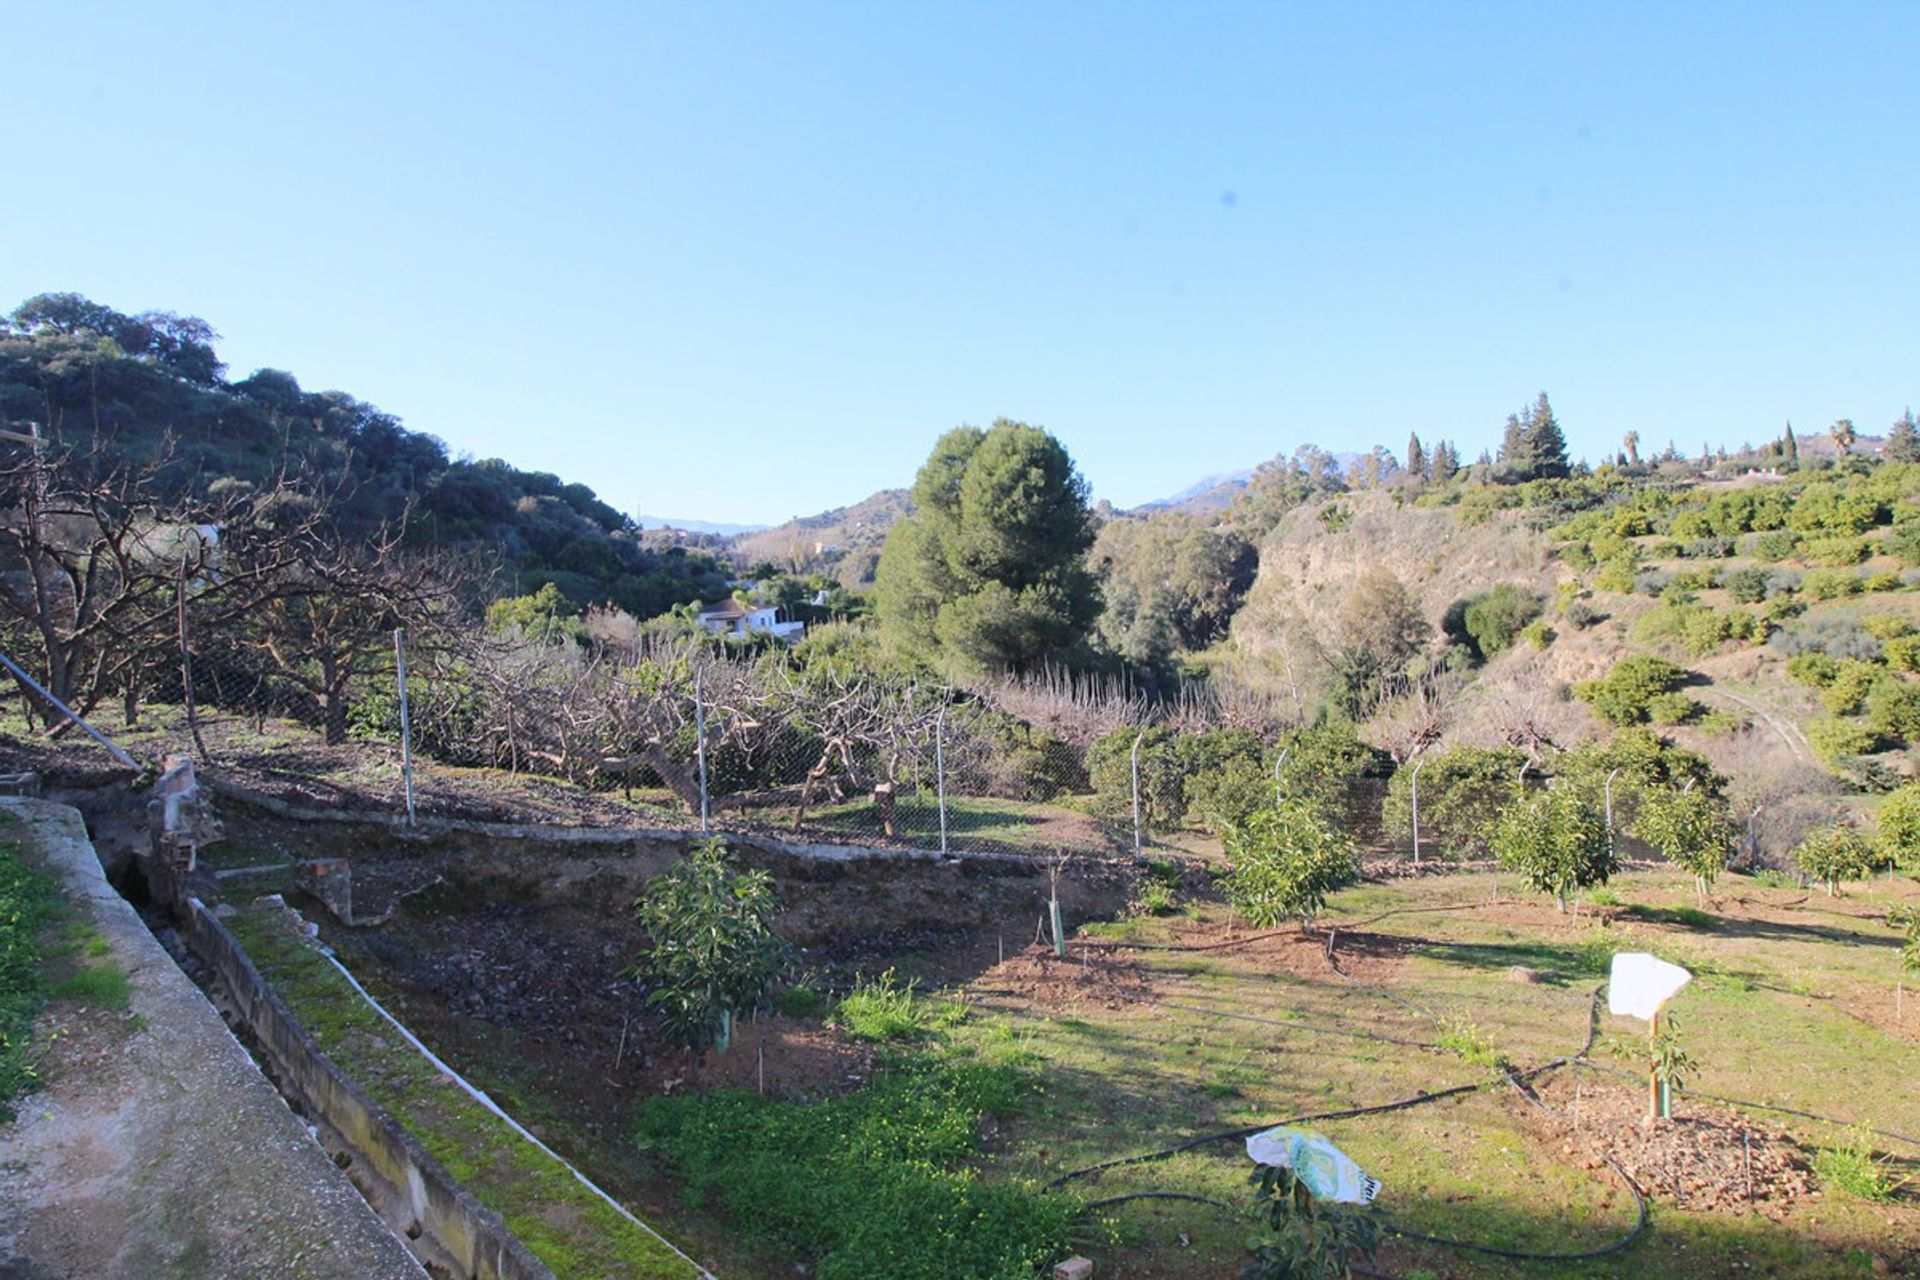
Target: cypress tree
{"points": [[1903, 440], [1416, 457]]}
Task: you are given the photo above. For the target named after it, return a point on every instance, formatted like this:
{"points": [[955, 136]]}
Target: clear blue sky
{"points": [[747, 261]]}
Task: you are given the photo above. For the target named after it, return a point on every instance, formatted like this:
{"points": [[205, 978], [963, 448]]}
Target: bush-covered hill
{"points": [[152, 386]]}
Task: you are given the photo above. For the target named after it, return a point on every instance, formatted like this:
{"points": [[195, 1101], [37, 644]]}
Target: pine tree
{"points": [[1513, 457], [1546, 446], [1445, 461], [1790, 448], [1416, 458], [1903, 440]]}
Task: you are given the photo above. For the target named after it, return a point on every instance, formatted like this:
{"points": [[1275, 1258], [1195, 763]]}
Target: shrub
{"points": [[713, 945], [1537, 634], [1902, 652], [1830, 584], [1462, 792], [1492, 620], [1286, 860], [1775, 546], [1163, 776], [1556, 840], [1836, 854], [1624, 695], [1816, 670], [1897, 825], [1671, 708], [1886, 626], [1903, 540], [1580, 615], [1846, 691], [1227, 777], [1835, 552], [1834, 741], [1878, 582], [1893, 709], [1616, 575], [1691, 829], [1748, 586]]}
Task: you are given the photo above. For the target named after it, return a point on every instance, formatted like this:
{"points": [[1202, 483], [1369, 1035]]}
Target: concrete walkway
{"points": [[158, 1150]]}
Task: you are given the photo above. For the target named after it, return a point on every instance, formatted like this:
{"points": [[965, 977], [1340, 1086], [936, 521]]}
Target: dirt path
{"points": [[157, 1148]]}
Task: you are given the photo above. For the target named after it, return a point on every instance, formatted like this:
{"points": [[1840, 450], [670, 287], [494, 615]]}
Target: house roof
{"points": [[728, 608]]}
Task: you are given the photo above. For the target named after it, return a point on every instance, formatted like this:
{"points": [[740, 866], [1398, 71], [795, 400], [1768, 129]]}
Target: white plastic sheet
{"points": [[1323, 1167], [1641, 983]]}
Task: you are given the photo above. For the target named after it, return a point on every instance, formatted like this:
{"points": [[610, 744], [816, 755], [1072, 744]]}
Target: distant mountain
{"points": [[844, 542], [1208, 495], [697, 526]]}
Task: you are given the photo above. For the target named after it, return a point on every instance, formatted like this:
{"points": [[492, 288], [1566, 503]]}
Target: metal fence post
{"points": [[940, 771], [1610, 778], [112, 748], [406, 720], [700, 738], [1136, 790], [1418, 765]]}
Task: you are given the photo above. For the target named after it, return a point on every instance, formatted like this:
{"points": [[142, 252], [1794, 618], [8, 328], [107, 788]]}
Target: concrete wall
{"points": [[413, 1191]]}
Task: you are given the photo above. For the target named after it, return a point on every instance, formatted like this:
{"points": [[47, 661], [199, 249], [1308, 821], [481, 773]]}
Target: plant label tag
{"points": [[1323, 1167], [1641, 983]]}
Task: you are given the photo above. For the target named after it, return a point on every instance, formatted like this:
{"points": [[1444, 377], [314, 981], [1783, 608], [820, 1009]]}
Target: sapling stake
{"points": [[621, 1052]]}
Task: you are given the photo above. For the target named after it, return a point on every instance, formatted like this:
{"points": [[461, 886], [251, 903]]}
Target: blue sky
{"points": [[747, 261]]}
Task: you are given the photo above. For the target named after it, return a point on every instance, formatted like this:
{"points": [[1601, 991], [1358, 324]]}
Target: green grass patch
{"points": [[882, 1008], [29, 902], [1851, 1168], [98, 984], [878, 1183]]}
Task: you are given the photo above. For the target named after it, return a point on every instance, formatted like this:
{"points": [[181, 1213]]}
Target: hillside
{"points": [[151, 391], [843, 543]]}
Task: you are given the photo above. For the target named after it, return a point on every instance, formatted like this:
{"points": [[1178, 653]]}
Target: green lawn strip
{"points": [[566, 1226], [29, 903], [888, 1181], [1017, 823]]}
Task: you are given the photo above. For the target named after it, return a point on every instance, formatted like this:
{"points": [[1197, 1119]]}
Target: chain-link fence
{"points": [[685, 732]]}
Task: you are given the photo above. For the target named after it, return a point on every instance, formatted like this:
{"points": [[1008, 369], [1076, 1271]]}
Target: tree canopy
{"points": [[989, 573]]}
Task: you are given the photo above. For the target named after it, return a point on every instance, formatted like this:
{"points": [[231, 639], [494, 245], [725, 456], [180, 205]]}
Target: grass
{"points": [[567, 1227], [880, 1184], [104, 985], [29, 902], [1851, 1168]]}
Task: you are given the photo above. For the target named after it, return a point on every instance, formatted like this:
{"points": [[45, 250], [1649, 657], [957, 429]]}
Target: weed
{"points": [[882, 1009], [1851, 1168], [1604, 897], [104, 985], [28, 902], [1775, 879], [1461, 1037], [875, 1183], [1155, 899]]}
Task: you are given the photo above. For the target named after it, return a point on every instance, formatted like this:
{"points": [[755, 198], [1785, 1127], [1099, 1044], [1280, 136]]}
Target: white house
{"points": [[731, 618]]}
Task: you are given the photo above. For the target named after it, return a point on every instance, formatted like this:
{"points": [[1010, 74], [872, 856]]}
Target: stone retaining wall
{"points": [[410, 1188]]}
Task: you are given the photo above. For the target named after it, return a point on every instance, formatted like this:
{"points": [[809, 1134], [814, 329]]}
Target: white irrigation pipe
{"points": [[480, 1096]]}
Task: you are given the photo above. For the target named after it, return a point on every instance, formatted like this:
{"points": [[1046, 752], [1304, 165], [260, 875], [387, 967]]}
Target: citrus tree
{"points": [[1898, 824], [1691, 828], [1834, 854], [1556, 840], [1286, 860], [714, 949]]}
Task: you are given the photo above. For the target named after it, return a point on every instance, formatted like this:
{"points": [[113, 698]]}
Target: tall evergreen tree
{"points": [[1445, 461], [1512, 457], [1416, 457], [988, 574], [1790, 448], [1903, 440], [1546, 445]]}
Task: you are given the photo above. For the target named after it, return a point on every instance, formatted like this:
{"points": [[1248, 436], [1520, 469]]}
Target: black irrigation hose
{"points": [[1509, 1076]]}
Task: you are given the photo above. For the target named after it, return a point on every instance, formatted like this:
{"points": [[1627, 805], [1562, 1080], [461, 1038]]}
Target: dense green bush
{"points": [[1845, 691], [1893, 709], [1835, 552], [1625, 694], [1903, 540], [1831, 584], [877, 1184], [1692, 829], [713, 949], [1556, 839], [1462, 793], [1163, 776], [1835, 854], [1493, 619], [1775, 546], [1748, 586], [1834, 741], [1227, 778], [1897, 827], [1286, 860]]}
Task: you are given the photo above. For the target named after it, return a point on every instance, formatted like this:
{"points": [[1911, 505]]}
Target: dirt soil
{"points": [[1707, 1158]]}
